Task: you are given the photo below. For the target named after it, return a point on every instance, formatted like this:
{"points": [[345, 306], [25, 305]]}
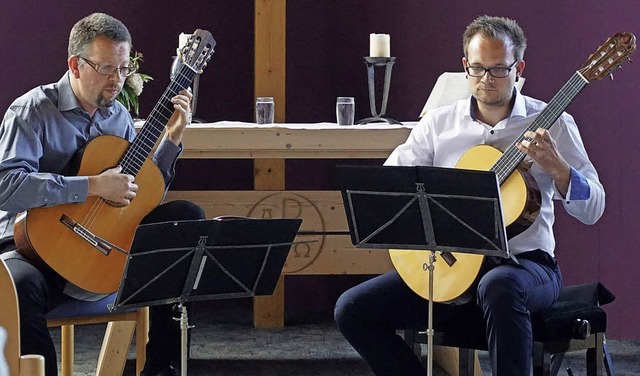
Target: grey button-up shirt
{"points": [[39, 135]]}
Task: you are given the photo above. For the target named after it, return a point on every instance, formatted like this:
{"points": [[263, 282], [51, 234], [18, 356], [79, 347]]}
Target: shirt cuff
{"points": [[77, 189], [579, 188], [166, 153]]}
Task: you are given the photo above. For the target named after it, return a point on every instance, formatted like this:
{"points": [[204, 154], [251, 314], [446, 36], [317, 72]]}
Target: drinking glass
{"points": [[345, 110], [264, 110]]}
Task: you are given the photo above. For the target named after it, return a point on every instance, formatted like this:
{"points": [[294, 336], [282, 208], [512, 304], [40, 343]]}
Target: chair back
{"points": [[4, 368], [20, 365], [10, 319]]}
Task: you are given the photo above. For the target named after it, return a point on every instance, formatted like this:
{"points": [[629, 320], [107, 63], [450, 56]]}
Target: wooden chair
{"points": [[118, 335], [117, 338], [22, 365]]}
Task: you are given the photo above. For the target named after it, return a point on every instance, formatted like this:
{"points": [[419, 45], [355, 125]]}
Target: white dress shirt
{"points": [[444, 134]]}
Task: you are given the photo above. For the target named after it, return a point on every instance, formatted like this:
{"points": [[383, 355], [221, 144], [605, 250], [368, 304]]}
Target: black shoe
{"points": [[166, 371]]}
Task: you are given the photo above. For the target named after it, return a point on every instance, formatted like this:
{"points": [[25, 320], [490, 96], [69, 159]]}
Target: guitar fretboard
{"points": [[146, 138], [509, 161]]}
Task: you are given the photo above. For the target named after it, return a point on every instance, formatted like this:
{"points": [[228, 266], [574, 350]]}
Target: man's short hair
{"points": [[92, 26], [496, 28]]}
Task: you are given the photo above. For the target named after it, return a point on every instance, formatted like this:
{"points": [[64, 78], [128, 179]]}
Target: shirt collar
{"points": [[519, 107], [67, 100]]}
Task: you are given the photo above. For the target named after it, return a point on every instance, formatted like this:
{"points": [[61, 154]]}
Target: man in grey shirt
{"points": [[40, 134]]}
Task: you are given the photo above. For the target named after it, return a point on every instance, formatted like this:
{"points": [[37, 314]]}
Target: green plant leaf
{"points": [[145, 77]]}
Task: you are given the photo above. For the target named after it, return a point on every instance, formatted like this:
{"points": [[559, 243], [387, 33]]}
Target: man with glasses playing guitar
{"points": [[501, 120], [40, 134]]}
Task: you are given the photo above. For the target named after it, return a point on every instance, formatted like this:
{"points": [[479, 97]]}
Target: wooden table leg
{"points": [[268, 311]]}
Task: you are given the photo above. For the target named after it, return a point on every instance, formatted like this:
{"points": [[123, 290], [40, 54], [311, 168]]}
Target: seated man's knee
{"points": [[28, 281], [345, 311], [497, 289], [179, 210]]}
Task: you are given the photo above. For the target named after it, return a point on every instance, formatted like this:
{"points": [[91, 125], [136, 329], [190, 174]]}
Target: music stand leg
{"points": [[430, 266], [184, 328]]}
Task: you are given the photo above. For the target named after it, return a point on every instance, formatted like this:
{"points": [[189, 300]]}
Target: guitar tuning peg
{"points": [[620, 67], [611, 76]]}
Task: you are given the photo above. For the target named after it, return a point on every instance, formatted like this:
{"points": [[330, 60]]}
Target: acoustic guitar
{"points": [[455, 274], [88, 243]]}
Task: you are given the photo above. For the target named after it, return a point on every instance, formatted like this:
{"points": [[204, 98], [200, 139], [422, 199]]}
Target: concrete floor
{"points": [[225, 343]]}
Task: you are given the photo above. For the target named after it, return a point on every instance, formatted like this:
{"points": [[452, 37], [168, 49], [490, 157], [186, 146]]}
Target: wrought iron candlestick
{"points": [[371, 63]]}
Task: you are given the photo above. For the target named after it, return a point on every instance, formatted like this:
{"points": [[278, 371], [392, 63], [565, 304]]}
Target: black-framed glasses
{"points": [[495, 72], [109, 70]]}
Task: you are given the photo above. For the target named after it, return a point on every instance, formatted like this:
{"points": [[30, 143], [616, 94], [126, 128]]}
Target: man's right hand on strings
{"points": [[114, 186]]}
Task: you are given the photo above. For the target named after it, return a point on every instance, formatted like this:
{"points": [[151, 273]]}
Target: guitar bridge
{"points": [[96, 242]]}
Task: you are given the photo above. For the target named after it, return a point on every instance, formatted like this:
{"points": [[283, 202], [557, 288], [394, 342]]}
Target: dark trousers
{"points": [[369, 314], [40, 290]]}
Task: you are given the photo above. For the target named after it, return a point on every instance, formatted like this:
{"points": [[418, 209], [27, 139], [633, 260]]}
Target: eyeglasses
{"points": [[109, 70], [495, 72]]}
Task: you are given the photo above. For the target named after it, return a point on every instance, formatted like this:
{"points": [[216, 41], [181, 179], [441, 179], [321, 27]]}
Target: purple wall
{"points": [[34, 45], [326, 41]]}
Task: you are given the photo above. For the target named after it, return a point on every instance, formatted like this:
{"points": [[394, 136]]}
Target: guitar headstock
{"points": [[609, 56], [198, 50]]}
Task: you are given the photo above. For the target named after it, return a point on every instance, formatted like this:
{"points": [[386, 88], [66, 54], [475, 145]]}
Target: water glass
{"points": [[264, 110], [345, 110]]}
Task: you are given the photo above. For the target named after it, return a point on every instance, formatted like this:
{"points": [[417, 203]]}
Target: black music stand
{"points": [[424, 208], [183, 261]]}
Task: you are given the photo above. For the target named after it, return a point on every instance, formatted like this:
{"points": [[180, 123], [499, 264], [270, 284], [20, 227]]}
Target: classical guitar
{"points": [[88, 243], [456, 273]]}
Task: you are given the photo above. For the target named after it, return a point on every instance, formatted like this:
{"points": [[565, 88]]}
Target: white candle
{"points": [[379, 45], [183, 39]]}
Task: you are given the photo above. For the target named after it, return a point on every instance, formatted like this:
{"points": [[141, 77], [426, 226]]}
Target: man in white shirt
{"points": [[496, 114]]}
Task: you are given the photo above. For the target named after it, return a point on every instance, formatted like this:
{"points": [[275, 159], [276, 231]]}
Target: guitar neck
{"points": [[148, 135], [512, 157]]}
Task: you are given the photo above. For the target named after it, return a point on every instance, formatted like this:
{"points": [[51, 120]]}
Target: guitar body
{"points": [[453, 283], [41, 236]]}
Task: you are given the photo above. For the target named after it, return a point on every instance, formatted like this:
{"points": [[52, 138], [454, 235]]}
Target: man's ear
{"points": [[520, 68], [73, 64]]}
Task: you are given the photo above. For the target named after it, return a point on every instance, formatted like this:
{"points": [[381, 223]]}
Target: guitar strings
{"points": [[145, 140], [507, 163], [612, 56]]}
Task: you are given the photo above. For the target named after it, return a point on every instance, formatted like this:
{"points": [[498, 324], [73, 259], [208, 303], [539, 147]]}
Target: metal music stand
{"points": [[183, 261], [424, 208]]}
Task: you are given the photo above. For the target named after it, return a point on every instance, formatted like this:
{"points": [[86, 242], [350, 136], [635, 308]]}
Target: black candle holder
{"points": [[371, 63]]}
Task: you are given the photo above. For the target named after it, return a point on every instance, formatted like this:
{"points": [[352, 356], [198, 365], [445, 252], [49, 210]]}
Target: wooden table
{"points": [[322, 211]]}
